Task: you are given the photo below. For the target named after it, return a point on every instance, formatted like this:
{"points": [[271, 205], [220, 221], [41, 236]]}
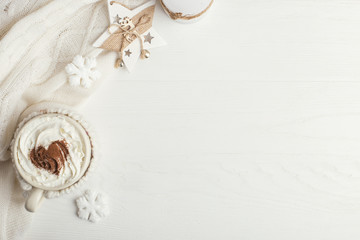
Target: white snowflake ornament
{"points": [[92, 206], [82, 71]]}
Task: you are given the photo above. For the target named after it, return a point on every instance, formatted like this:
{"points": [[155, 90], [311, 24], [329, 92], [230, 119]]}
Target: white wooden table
{"points": [[245, 126]]}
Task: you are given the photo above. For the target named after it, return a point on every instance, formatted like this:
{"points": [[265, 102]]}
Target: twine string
{"points": [[179, 15], [128, 32]]}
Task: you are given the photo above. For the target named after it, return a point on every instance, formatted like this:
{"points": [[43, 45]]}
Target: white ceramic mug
{"points": [[46, 128]]}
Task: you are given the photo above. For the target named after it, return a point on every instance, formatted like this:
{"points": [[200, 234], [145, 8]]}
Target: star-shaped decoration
{"points": [[141, 36], [148, 38], [128, 53], [116, 19]]}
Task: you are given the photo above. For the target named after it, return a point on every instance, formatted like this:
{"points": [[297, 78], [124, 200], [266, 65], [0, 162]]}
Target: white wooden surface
{"points": [[246, 126]]}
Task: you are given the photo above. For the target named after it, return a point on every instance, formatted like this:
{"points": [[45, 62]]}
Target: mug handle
{"points": [[34, 200]]}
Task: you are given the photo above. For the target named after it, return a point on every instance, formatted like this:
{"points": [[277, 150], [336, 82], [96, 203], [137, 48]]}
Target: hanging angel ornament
{"points": [[130, 33]]}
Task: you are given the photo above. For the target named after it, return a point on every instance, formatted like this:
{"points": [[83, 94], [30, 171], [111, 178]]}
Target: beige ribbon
{"points": [[127, 31]]}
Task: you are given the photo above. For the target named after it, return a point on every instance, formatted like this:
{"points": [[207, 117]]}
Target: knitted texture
{"points": [[35, 55], [12, 11], [38, 38]]}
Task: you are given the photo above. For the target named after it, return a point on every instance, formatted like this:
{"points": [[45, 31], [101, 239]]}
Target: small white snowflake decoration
{"points": [[92, 206], [82, 71]]}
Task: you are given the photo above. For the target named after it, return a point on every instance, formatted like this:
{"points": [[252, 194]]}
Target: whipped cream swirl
{"points": [[52, 151]]}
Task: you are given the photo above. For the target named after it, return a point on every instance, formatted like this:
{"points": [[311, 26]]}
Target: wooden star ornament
{"points": [[130, 33]]}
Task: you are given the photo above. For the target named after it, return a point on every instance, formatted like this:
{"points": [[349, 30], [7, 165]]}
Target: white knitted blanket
{"points": [[38, 38]]}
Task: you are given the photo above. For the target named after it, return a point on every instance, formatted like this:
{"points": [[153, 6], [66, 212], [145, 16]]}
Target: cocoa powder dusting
{"points": [[51, 159]]}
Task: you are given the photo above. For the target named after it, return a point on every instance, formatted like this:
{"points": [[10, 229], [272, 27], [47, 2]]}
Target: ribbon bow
{"points": [[128, 30], [127, 27]]}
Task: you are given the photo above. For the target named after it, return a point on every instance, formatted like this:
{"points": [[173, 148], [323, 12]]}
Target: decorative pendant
{"points": [[130, 33]]}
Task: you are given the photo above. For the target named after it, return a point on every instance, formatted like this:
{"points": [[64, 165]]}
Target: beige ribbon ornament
{"points": [[126, 31], [130, 33]]}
